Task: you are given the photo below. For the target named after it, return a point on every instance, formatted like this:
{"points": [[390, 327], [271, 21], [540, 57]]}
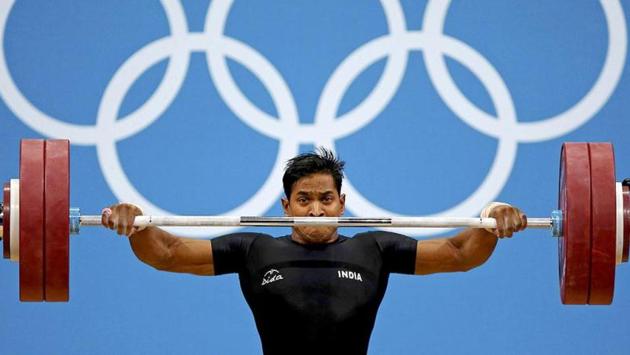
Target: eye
{"points": [[302, 200]]}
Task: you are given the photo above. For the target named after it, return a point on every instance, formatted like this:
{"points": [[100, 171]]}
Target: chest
{"points": [[343, 278]]}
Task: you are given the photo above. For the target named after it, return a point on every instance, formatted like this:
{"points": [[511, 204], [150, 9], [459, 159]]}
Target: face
{"points": [[314, 196]]}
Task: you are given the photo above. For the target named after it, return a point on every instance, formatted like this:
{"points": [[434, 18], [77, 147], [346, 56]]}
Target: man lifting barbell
{"points": [[314, 285], [314, 291]]}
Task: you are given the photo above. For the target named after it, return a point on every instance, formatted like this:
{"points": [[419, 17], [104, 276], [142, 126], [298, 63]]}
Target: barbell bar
{"points": [[592, 222], [250, 221], [76, 221]]}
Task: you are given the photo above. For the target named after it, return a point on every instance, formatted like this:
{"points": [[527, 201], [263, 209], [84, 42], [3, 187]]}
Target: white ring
{"points": [[89, 134], [619, 228], [108, 157], [15, 220], [507, 143], [548, 128], [328, 123]]}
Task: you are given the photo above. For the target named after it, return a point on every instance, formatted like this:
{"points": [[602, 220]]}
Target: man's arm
{"points": [[157, 247], [470, 248]]}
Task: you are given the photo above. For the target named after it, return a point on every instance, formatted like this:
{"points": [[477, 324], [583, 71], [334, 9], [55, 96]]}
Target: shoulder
{"points": [[243, 235], [385, 239], [380, 235], [241, 239], [375, 233]]}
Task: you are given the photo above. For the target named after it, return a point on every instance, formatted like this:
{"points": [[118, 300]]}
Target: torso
{"points": [[309, 299], [319, 294]]}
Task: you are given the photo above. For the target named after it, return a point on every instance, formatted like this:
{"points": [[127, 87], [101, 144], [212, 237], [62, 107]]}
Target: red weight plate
{"points": [[626, 223], [6, 220], [32, 220], [574, 246], [57, 194], [603, 223]]}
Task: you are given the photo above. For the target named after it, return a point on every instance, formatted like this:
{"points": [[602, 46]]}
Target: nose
{"points": [[316, 210]]}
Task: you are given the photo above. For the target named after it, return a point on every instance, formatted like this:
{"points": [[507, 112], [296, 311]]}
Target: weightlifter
{"points": [[314, 291]]}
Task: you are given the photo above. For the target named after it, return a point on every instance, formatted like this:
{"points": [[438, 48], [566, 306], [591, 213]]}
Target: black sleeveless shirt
{"points": [[314, 299]]}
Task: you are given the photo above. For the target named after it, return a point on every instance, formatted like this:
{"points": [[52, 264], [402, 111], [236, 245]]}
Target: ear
{"points": [[342, 200], [285, 206]]}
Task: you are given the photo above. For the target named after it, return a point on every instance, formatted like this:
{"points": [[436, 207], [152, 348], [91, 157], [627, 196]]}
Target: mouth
{"points": [[317, 232]]}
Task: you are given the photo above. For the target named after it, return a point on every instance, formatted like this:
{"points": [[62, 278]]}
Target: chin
{"points": [[317, 234]]}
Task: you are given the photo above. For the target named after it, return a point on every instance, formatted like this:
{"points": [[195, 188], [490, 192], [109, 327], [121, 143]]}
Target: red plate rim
{"points": [[57, 230], [626, 223], [6, 220], [574, 201], [603, 223], [32, 220]]}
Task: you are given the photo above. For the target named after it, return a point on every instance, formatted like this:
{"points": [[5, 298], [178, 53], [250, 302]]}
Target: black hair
{"points": [[321, 161]]}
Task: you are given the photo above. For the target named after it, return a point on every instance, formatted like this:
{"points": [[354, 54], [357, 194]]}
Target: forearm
{"points": [[153, 246], [474, 245]]}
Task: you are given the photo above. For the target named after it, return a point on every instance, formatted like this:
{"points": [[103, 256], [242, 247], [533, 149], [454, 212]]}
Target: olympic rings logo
{"points": [[396, 45]]}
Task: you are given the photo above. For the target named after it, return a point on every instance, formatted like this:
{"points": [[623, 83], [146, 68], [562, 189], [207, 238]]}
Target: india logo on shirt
{"points": [[350, 275]]}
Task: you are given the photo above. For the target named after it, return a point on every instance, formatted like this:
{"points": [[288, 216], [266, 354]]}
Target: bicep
{"points": [[437, 255], [192, 256]]}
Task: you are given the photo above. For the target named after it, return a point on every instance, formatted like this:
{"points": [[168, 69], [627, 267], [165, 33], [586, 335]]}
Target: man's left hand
{"points": [[509, 219]]}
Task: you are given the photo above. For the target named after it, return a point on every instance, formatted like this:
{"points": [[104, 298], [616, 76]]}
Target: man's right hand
{"points": [[120, 217]]}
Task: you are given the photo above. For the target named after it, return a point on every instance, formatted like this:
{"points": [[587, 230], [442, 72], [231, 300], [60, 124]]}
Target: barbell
{"points": [[592, 222]]}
